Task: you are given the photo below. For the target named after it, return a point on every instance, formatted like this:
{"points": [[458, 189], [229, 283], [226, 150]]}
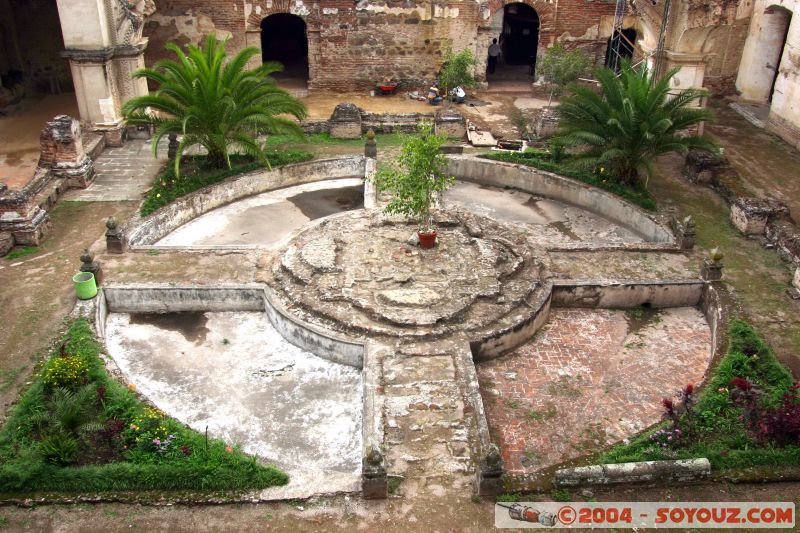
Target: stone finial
{"points": [[374, 481], [712, 266], [688, 221], [88, 264], [371, 147], [115, 237], [172, 148], [684, 231], [489, 478]]}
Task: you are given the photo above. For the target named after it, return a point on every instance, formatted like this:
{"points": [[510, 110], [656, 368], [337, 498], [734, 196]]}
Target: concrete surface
{"points": [[553, 222], [268, 218], [233, 373]]}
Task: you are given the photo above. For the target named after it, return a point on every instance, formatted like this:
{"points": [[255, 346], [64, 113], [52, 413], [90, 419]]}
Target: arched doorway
{"points": [[620, 46], [519, 41], [763, 53], [284, 39]]}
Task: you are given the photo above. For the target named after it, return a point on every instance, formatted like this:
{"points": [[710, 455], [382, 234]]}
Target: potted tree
{"points": [[415, 179]]}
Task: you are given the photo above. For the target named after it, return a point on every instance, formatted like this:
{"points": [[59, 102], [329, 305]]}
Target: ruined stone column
{"points": [[62, 152], [103, 43]]}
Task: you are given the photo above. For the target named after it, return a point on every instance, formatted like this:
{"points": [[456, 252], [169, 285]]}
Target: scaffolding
{"points": [[619, 39]]}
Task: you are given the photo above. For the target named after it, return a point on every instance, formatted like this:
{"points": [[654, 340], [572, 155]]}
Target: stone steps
{"points": [[429, 428]]}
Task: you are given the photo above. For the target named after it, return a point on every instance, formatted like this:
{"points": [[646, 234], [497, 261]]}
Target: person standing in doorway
{"points": [[494, 53]]}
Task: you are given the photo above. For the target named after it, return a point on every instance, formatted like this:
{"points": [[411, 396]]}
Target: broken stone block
{"points": [[702, 166], [62, 151], [346, 122], [750, 215], [7, 243], [450, 123], [546, 124], [796, 280]]}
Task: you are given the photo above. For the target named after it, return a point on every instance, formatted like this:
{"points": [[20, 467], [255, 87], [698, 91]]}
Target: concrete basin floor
{"points": [[267, 219], [232, 372], [554, 223]]}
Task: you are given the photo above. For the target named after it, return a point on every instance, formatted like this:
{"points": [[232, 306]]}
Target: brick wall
{"points": [[352, 45]]}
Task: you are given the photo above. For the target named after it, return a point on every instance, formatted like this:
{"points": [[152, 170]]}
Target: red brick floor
{"points": [[588, 379]]}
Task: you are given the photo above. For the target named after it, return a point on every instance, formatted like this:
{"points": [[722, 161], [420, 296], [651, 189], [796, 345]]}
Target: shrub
{"points": [[59, 449], [65, 371]]}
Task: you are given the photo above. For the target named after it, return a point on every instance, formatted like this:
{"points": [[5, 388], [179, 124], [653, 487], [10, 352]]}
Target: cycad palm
{"points": [[630, 122], [218, 104]]}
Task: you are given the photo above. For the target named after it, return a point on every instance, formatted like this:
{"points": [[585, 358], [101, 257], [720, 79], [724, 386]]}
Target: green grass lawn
{"points": [[78, 430]]}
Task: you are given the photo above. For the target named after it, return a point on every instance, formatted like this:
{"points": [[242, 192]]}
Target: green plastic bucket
{"points": [[85, 287]]}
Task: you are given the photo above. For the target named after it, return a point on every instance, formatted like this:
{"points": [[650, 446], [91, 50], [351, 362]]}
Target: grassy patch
{"points": [[313, 139], [78, 430], [718, 430], [541, 159], [196, 175], [21, 252]]}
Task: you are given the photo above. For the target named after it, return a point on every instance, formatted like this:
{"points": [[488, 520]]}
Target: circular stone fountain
{"points": [[361, 272]]}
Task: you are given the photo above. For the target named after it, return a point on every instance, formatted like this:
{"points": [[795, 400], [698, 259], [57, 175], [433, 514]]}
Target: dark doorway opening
{"points": [[620, 46], [520, 37], [788, 20], [284, 39]]}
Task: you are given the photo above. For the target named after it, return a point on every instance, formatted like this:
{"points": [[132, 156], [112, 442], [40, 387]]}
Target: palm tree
{"points": [[215, 103], [631, 121]]}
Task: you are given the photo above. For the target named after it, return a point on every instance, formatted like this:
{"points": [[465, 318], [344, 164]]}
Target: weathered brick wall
{"points": [[354, 44]]}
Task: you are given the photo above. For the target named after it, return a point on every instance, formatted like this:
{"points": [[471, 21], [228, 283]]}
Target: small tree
{"points": [[416, 177], [214, 101], [560, 67], [633, 120], [457, 70]]}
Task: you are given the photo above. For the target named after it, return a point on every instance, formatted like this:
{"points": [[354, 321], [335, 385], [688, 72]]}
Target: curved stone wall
{"points": [[553, 186], [146, 231]]}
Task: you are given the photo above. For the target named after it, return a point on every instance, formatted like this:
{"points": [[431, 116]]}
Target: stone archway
{"points": [[517, 27], [620, 46], [763, 53], [284, 38]]}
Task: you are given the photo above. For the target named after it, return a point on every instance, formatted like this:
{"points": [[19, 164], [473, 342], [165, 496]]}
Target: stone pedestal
{"points": [[750, 215], [684, 231], [489, 477], [546, 124], [712, 267], [115, 238], [450, 123], [371, 147], [374, 481], [88, 264], [62, 152], [346, 122]]}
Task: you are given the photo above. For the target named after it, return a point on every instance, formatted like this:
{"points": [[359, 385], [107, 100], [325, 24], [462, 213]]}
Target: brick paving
{"points": [[123, 173], [589, 378]]}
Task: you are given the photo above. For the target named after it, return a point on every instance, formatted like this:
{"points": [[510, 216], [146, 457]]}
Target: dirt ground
{"points": [[36, 294]]}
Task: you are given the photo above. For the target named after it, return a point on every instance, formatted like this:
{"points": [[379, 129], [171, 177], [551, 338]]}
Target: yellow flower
{"points": [[131, 386]]}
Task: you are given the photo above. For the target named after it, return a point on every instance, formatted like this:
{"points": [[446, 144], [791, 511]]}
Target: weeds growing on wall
{"points": [[78, 430], [747, 415]]}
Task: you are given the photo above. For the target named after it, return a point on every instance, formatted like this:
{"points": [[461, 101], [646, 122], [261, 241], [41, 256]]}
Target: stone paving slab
{"points": [[589, 378], [123, 173]]}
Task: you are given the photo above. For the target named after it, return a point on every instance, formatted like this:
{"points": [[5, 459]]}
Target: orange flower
{"points": [[131, 386], [228, 449]]}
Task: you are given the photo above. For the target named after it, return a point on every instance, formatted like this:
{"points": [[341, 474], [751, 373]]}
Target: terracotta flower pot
{"points": [[427, 239]]}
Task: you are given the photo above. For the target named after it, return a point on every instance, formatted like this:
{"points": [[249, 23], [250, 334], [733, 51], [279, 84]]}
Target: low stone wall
{"points": [[641, 472], [627, 293], [377, 122], [549, 185], [172, 299], [145, 231], [511, 337]]}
